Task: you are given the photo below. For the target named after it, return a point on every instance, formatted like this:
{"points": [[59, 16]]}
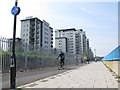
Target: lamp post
{"points": [[15, 11], [95, 53]]}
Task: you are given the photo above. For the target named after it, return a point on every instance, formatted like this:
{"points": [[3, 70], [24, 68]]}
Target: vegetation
{"points": [[118, 77]]}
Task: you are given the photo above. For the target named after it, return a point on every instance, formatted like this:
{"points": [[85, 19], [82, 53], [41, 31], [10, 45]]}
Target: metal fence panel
{"points": [[27, 58]]}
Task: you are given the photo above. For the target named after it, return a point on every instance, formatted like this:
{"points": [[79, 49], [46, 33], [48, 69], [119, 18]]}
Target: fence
{"points": [[29, 57], [4, 54]]}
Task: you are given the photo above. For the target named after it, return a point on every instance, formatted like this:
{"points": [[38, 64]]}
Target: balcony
{"points": [[52, 31], [37, 32], [31, 42], [51, 42], [52, 46], [37, 36], [37, 41], [31, 37], [32, 23], [32, 27], [37, 22], [37, 27], [31, 32]]}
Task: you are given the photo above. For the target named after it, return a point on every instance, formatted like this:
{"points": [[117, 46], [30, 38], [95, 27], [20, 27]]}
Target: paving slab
{"points": [[93, 75]]}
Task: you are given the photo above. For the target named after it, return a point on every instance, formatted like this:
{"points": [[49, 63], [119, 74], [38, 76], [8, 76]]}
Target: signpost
{"points": [[15, 11]]}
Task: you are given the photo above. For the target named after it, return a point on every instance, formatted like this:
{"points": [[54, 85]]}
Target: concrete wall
{"points": [[114, 65]]}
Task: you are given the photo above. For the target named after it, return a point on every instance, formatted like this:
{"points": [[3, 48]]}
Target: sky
{"points": [[98, 18]]}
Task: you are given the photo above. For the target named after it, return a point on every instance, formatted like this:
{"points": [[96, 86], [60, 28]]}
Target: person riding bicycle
{"points": [[61, 56]]}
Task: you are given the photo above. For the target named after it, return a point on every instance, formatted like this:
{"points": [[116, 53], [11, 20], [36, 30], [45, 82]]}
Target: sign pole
{"points": [[15, 11]]}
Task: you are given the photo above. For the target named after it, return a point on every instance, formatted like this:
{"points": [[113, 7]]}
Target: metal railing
{"points": [[28, 58]]}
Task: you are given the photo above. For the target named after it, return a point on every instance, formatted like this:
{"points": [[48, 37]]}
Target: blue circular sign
{"points": [[15, 10]]}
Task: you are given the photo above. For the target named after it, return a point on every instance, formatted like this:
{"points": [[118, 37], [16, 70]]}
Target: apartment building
{"points": [[61, 43], [70, 39], [91, 55], [36, 33], [75, 40], [18, 42]]}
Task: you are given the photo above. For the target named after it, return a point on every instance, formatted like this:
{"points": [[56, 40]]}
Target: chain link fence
{"points": [[29, 57]]}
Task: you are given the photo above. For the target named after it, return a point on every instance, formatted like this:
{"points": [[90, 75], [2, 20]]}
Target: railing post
{"points": [[26, 57], [1, 53]]}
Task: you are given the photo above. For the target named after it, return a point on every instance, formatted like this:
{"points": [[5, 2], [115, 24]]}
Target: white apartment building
{"points": [[61, 43], [76, 41], [36, 33], [70, 41]]}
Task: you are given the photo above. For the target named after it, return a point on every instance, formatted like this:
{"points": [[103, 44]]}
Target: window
{"points": [[23, 35], [26, 34], [71, 44], [46, 33], [46, 29], [60, 46], [70, 41], [60, 43]]}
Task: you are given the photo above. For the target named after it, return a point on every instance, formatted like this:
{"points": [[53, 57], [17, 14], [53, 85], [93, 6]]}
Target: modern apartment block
{"points": [[91, 55], [36, 33], [70, 39], [61, 43], [75, 40]]}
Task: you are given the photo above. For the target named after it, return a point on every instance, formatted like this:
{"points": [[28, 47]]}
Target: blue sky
{"points": [[98, 19]]}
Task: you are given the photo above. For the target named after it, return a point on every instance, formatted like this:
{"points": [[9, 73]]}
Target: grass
{"points": [[112, 71], [108, 67], [118, 77]]}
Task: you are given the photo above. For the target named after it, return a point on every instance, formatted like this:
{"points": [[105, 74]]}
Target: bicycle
{"points": [[60, 64]]}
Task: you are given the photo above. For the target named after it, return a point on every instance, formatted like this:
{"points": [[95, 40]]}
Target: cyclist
{"points": [[61, 57]]}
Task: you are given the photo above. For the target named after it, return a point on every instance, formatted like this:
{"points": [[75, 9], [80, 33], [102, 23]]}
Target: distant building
{"points": [[61, 43], [91, 55], [36, 33], [18, 41], [73, 41], [70, 39]]}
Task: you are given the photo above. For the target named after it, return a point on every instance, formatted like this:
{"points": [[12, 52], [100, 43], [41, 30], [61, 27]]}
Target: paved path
{"points": [[27, 77], [93, 75]]}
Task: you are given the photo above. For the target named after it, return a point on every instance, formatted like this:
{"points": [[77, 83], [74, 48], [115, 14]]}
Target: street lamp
{"points": [[15, 11], [95, 53]]}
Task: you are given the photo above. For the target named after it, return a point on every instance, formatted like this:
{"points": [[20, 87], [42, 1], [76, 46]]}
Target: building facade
{"points": [[36, 33], [61, 43], [76, 41], [18, 42]]}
